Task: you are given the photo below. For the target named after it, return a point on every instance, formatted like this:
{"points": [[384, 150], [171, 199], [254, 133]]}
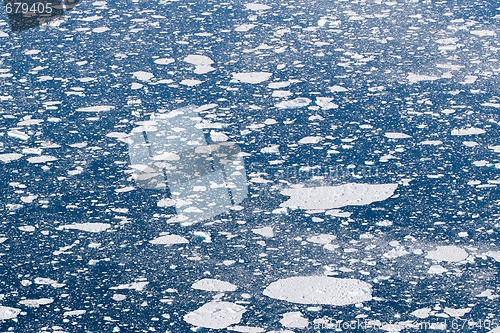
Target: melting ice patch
{"points": [[448, 253], [8, 313], [467, 131], [328, 197], [214, 285], [90, 227], [294, 320], [169, 240], [202, 63], [9, 157], [252, 77], [216, 315], [320, 290], [97, 108]]}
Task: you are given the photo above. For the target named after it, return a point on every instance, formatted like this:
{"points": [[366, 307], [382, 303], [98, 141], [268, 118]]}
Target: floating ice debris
{"points": [[396, 135], [74, 313], [267, 232], [468, 131], [415, 78], [310, 140], [138, 286], [338, 89], [10, 157], [294, 320], [448, 253], [90, 227], [8, 312], [97, 108], [216, 315], [257, 6], [252, 77], [214, 285], [328, 197], [202, 63], [169, 240], [35, 303], [320, 290], [143, 76], [298, 102], [164, 61]]}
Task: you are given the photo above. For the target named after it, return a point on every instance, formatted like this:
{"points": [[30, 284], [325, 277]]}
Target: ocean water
{"points": [[293, 166]]}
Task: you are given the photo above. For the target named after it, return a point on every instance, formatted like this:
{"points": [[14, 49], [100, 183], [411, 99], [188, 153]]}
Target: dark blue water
{"points": [[372, 52]]}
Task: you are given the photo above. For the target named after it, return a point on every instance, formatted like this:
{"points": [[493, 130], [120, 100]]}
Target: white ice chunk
{"points": [[96, 108], [9, 157], [257, 6], [448, 253], [396, 135], [267, 232], [143, 76], [298, 102], [320, 290], [252, 77], [294, 320], [214, 285], [138, 286], [169, 240], [8, 312], [467, 131], [328, 197], [415, 78], [216, 315], [90, 227]]}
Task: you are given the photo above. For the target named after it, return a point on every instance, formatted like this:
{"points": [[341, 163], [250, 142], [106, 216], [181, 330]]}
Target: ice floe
{"points": [[320, 290], [214, 285], [169, 240], [328, 197], [450, 253], [8, 312], [216, 315], [252, 77], [90, 227]]}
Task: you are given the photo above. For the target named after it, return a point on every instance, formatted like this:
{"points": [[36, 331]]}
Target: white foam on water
{"points": [[216, 315], [328, 197], [169, 240], [320, 290], [214, 285], [448, 253], [90, 227]]}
